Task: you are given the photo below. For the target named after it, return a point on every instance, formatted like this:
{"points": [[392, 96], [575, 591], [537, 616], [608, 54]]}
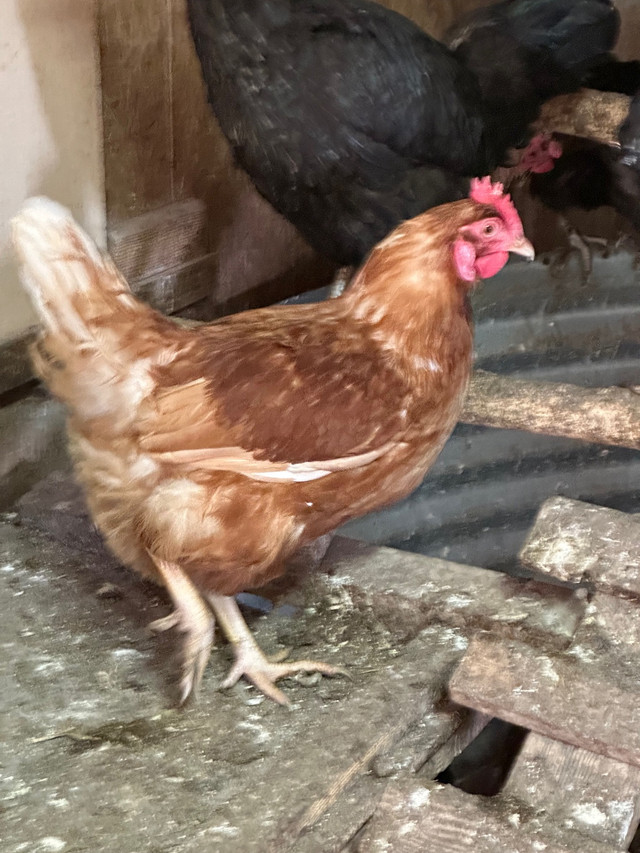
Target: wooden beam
{"points": [[575, 542], [600, 415], [408, 591], [418, 818], [585, 697], [578, 789], [587, 113]]}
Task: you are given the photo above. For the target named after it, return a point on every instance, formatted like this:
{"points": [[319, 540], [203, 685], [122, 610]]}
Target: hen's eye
{"points": [[489, 229]]}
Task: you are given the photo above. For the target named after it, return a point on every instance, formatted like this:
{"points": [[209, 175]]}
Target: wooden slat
{"points": [[588, 113], [161, 240], [429, 747], [414, 818], [136, 104], [578, 789], [411, 591], [581, 699], [601, 415], [576, 541], [175, 290]]}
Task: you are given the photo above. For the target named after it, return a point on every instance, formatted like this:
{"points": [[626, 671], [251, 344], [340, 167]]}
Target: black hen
{"points": [[589, 175], [349, 118]]}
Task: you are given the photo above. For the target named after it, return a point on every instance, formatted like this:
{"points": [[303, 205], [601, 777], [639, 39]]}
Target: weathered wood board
{"points": [[579, 542], [578, 789], [414, 818], [423, 590], [582, 700]]}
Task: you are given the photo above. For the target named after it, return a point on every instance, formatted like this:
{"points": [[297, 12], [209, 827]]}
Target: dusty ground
{"points": [[97, 757]]}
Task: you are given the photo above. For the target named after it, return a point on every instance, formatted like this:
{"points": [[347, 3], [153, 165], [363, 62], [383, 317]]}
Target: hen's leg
{"points": [[250, 660], [191, 616], [581, 245], [340, 282]]}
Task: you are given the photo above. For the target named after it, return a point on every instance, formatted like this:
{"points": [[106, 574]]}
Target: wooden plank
{"points": [[601, 415], [246, 776], [577, 542], [335, 830], [369, 723], [578, 789], [611, 627], [177, 289], [408, 591], [581, 699], [394, 704], [136, 106], [415, 818], [588, 113], [166, 238], [430, 746], [202, 158]]}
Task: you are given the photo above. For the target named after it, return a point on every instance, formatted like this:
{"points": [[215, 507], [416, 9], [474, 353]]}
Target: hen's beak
{"points": [[523, 247]]}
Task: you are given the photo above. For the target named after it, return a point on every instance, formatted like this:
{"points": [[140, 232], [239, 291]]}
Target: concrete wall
{"points": [[50, 125]]}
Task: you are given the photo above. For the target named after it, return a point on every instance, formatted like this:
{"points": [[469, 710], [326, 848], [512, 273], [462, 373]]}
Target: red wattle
{"points": [[488, 265]]}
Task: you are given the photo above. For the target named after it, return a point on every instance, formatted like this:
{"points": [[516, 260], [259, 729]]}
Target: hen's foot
{"points": [[581, 246], [251, 661], [340, 282], [263, 673], [191, 616]]}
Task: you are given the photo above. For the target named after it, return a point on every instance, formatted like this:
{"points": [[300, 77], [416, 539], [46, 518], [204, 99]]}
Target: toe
{"points": [[196, 656], [264, 683], [163, 624]]}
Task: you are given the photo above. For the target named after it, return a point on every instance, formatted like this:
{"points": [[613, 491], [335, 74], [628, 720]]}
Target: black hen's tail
{"points": [[570, 36], [575, 34]]}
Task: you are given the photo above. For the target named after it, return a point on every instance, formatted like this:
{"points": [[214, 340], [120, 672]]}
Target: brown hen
{"points": [[209, 455]]}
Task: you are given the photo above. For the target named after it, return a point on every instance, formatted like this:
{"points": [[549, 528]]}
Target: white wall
{"points": [[50, 125]]}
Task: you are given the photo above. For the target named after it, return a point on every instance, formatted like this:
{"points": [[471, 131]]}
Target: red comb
{"points": [[484, 192]]}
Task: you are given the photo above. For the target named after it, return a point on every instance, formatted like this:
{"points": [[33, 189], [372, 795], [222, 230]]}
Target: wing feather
{"points": [[288, 403]]}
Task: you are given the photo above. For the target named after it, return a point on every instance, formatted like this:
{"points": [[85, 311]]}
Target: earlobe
{"points": [[464, 257]]}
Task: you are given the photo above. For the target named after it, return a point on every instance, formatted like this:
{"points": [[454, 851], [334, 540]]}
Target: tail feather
{"points": [[550, 38], [91, 322], [71, 284], [523, 52]]}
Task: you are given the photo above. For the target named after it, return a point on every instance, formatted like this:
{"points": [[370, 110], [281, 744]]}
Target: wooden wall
{"points": [[163, 147]]}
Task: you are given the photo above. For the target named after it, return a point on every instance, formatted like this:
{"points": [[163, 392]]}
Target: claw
{"points": [[164, 623], [196, 652], [263, 673], [580, 245]]}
